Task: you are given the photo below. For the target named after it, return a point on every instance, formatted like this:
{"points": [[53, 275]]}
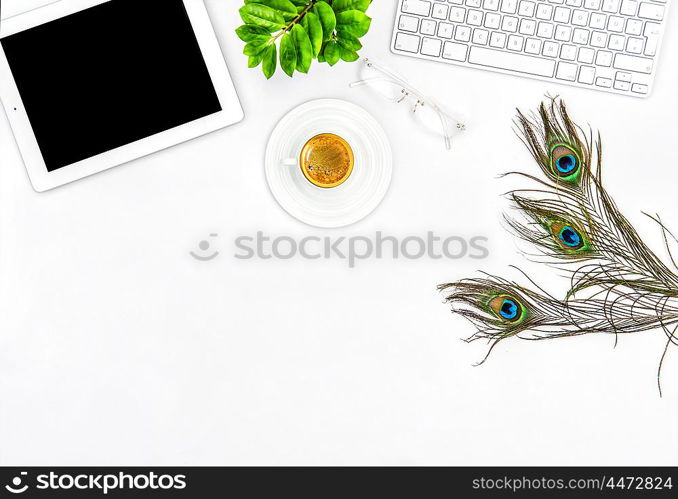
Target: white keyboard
{"points": [[609, 45]]}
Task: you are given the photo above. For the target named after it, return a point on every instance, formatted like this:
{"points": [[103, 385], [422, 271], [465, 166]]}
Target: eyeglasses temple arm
{"points": [[446, 135], [367, 81]]}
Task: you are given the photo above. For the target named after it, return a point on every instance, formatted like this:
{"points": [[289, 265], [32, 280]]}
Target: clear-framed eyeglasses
{"points": [[425, 110]]}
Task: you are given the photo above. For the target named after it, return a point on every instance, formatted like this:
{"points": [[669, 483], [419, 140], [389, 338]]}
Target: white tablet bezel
{"points": [[42, 179]]}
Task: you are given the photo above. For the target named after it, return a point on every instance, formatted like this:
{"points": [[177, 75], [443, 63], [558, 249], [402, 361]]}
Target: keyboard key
{"points": [[623, 76], [568, 52], [544, 12], [604, 82], [634, 27], [457, 14], [498, 40], [592, 4], [616, 24], [440, 11], [563, 33], [629, 8], [598, 21], [455, 51], [639, 88], [509, 6], [651, 11], [604, 58], [599, 39], [417, 7], [474, 3], [515, 43], [428, 27], [616, 42], [481, 36], [562, 15], [512, 61], [492, 20], [635, 45], [566, 71], [431, 46], [462, 34], [528, 27], [651, 47], [533, 46], [580, 18], [633, 63], [407, 43], [510, 24], [408, 23], [544, 30], [526, 8], [652, 29], [445, 30], [587, 75], [586, 55], [550, 49], [491, 5], [611, 6], [475, 17], [622, 85], [580, 36]]}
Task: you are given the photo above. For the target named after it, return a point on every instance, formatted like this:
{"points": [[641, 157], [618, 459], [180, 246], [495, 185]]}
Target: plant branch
{"points": [[293, 22]]}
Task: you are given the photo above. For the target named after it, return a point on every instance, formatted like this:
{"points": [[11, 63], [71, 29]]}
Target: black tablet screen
{"points": [[108, 76]]}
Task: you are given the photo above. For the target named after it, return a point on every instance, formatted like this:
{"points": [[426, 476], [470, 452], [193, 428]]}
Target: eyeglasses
{"points": [[425, 110]]}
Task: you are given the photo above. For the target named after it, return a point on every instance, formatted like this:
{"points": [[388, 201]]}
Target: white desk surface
{"points": [[118, 348]]}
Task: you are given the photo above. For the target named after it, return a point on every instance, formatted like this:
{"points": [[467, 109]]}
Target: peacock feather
{"points": [[617, 283]]}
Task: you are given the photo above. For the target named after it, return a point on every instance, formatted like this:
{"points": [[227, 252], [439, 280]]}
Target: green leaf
{"points": [[349, 42], [353, 22], [348, 55], [254, 48], [327, 19], [321, 55], [255, 60], [262, 15], [343, 5], [252, 33], [285, 7], [332, 53], [270, 61], [304, 48], [314, 29], [288, 54]]}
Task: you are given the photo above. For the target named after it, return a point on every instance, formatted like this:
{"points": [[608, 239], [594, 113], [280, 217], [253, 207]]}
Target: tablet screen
{"points": [[108, 76]]}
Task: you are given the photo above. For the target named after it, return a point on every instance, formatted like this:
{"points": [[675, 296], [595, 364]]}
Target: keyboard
{"points": [[609, 45]]}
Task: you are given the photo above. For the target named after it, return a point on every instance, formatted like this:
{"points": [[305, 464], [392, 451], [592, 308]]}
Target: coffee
{"points": [[327, 160]]}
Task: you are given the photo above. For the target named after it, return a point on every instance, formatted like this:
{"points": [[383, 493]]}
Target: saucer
{"points": [[349, 202]]}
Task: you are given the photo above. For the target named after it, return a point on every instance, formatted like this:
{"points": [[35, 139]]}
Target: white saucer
{"points": [[360, 194]]}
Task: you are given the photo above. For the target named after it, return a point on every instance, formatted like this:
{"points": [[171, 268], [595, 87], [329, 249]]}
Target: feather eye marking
{"points": [[565, 162], [507, 308], [568, 236]]}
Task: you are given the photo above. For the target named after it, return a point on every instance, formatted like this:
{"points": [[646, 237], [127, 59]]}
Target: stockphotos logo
{"points": [[18, 486], [97, 483]]}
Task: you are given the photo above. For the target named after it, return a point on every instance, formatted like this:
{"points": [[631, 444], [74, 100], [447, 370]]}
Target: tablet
{"points": [[91, 84]]}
